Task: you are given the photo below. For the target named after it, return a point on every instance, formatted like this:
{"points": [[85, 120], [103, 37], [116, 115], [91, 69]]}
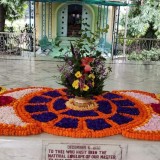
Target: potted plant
{"points": [[84, 72]]}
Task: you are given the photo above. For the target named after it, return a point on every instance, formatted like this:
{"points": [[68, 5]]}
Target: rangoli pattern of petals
{"points": [[145, 98], [8, 116], [156, 108], [10, 122], [150, 128], [32, 110], [5, 100], [152, 125], [47, 109], [20, 93]]}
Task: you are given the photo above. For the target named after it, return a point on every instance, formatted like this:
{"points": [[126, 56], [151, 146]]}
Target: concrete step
{"points": [[66, 40]]}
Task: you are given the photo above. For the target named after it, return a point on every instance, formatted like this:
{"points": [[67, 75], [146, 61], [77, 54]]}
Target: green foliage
{"points": [[88, 42], [14, 8], [151, 55], [144, 19]]}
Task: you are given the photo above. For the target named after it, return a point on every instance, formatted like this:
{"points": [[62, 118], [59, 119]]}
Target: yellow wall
{"points": [[55, 8], [39, 19], [110, 23]]}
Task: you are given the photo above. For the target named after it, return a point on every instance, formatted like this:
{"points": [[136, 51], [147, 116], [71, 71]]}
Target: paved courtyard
{"points": [[40, 71]]}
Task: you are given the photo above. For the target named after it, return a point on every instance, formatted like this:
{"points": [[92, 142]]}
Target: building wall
{"points": [[39, 19], [56, 7]]}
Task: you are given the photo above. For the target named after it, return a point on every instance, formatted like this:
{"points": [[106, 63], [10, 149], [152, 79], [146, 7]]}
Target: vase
{"points": [[81, 101], [81, 104]]}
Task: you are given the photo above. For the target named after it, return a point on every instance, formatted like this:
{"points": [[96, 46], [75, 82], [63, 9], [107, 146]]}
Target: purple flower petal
{"points": [[59, 104], [44, 117], [39, 99], [36, 108], [97, 124], [119, 119], [67, 123]]}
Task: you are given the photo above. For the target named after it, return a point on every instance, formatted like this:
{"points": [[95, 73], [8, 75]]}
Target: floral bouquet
{"points": [[84, 75], [84, 72]]}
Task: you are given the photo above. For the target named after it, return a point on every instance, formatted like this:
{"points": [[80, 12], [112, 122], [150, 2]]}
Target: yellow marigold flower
{"points": [[85, 88], [158, 96], [91, 76], [75, 84], [2, 89], [78, 74], [93, 84]]}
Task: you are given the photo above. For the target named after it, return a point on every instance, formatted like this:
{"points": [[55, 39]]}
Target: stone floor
{"points": [[40, 71]]}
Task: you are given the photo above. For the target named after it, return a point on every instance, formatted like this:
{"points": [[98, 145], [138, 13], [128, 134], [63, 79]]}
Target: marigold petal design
{"points": [[59, 104], [104, 107], [67, 123], [153, 124], [142, 97], [10, 123], [122, 103], [39, 99], [44, 109], [149, 129], [156, 108], [44, 117], [107, 112], [35, 108], [80, 114], [8, 116], [52, 94], [109, 95], [97, 124], [20, 92], [131, 111], [5, 100], [119, 119]]}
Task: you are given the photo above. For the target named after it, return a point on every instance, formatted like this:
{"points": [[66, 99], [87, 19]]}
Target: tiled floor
{"points": [[23, 72], [41, 71]]}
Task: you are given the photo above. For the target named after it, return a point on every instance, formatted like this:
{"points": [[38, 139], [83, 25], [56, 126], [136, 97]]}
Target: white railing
{"points": [[17, 43]]}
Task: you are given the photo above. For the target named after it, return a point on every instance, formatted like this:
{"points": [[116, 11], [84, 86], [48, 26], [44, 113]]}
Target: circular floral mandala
{"points": [[115, 112], [32, 110]]}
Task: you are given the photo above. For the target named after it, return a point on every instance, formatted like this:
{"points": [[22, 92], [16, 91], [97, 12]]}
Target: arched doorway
{"points": [[74, 20], [70, 17]]}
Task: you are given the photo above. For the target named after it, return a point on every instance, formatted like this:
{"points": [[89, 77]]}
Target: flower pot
{"points": [[82, 101], [81, 104]]}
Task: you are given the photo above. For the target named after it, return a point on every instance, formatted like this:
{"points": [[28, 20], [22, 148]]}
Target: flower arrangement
{"points": [[84, 72]]}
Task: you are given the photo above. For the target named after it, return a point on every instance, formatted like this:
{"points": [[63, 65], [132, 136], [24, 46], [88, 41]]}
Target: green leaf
{"points": [[61, 49], [57, 43]]}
